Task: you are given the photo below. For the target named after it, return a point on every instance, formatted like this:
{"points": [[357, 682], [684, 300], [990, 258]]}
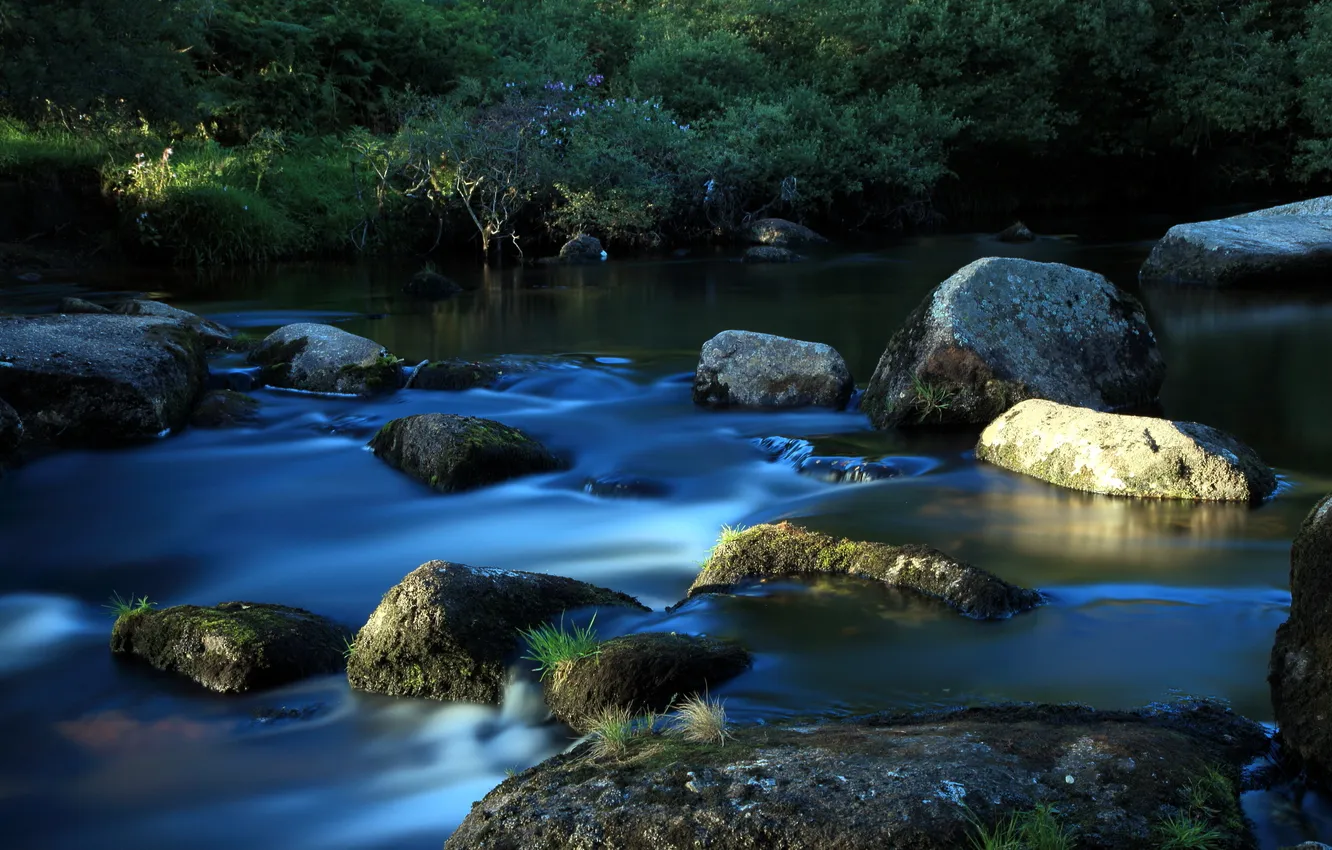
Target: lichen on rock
{"points": [[452, 453], [748, 369], [321, 358]]}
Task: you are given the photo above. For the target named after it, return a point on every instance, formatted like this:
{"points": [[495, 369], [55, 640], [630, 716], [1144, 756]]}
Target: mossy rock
{"points": [[642, 673], [780, 233], [233, 647], [324, 359], [453, 453], [454, 375], [748, 369], [225, 409], [447, 631], [1122, 455], [784, 550], [582, 249]]}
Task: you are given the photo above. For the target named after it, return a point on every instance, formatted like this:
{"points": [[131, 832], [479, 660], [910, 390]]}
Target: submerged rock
{"points": [[454, 375], [781, 549], [233, 647], [429, 284], [211, 332], [1001, 331], [447, 630], [324, 359], [582, 249], [453, 453], [781, 233], [642, 673], [747, 369], [1112, 779], [771, 254], [846, 470], [225, 409], [1016, 232], [92, 380], [1300, 671], [1122, 455], [1285, 245], [616, 486]]}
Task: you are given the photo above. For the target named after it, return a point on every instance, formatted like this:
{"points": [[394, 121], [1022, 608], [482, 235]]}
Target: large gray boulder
{"points": [[212, 333], [747, 369], [324, 359], [1123, 455], [1004, 330], [1285, 245], [447, 630], [453, 453], [781, 233], [96, 380], [1300, 671]]}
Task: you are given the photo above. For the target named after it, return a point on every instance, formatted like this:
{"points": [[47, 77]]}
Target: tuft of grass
{"points": [[611, 729], [552, 647], [931, 399], [128, 606], [726, 535], [350, 651], [1185, 831], [1036, 829], [701, 720]]}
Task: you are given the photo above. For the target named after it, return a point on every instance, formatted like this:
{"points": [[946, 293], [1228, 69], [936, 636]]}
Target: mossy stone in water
{"points": [[233, 647], [455, 375], [324, 359], [453, 453]]}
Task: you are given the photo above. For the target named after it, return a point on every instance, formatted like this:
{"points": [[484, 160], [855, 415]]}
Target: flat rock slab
{"points": [[1122, 455], [98, 380], [212, 333], [453, 453], [747, 369], [887, 782], [1003, 330], [236, 646], [447, 631], [324, 359]]}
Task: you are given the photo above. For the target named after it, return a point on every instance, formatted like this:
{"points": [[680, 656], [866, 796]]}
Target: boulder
{"points": [[781, 233], [747, 369], [91, 380], [233, 647], [325, 359], [454, 453], [926, 782], [212, 333], [771, 254], [225, 409], [783, 550], [454, 375], [582, 249], [1004, 330], [429, 284], [643, 673], [1300, 671], [1122, 455], [1016, 232], [447, 630], [79, 305], [1285, 245]]}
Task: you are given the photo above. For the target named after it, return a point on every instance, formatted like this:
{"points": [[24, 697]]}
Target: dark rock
{"points": [[1001, 331], [625, 487], [454, 453], [849, 470], [79, 305], [454, 375], [582, 249], [447, 630], [225, 409], [325, 359], [899, 781], [781, 550], [213, 334], [642, 673], [781, 233], [747, 369], [235, 646], [428, 284], [85, 380], [11, 433], [770, 254], [1016, 232]]}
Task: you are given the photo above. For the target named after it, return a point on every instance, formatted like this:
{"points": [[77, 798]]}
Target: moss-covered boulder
{"points": [[1003, 330], [784, 550], [582, 249], [447, 630], [324, 359], [771, 254], [780, 233], [94, 380], [213, 334], [233, 647], [453, 453], [1111, 778], [225, 409], [1122, 455], [748, 369], [642, 673], [454, 375], [1300, 671]]}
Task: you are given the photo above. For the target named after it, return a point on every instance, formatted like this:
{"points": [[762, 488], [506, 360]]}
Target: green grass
{"points": [[25, 151], [701, 720], [128, 606], [612, 728], [553, 646], [1186, 832], [1036, 829], [350, 651], [931, 399]]}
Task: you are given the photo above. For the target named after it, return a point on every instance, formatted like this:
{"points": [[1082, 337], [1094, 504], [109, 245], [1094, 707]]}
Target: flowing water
{"points": [[1150, 600]]}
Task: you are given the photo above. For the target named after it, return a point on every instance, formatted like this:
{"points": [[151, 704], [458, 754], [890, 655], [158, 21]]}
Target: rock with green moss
{"points": [[748, 369], [780, 233], [643, 673], [784, 550], [1001, 331], [1300, 671], [453, 453], [454, 375], [225, 409], [213, 334], [1122, 455], [94, 380], [233, 647], [447, 631], [923, 781], [324, 359]]}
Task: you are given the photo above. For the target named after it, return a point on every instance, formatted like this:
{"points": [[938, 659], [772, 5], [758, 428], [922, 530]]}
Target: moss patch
{"points": [[455, 453]]}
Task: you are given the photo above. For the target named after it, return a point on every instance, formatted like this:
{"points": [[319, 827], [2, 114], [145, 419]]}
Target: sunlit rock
{"points": [[747, 369], [582, 249], [324, 359], [781, 233], [452, 453]]}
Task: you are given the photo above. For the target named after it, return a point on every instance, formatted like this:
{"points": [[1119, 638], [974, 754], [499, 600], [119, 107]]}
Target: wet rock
{"points": [[781, 233], [770, 254], [747, 369], [235, 646], [782, 550], [1016, 232], [79, 305], [625, 487], [643, 673], [429, 284], [91, 380], [1122, 455], [454, 453], [582, 249], [225, 409], [324, 359], [1285, 245], [801, 455], [1300, 670], [901, 781], [447, 630], [1001, 331], [454, 375], [213, 334], [11, 433]]}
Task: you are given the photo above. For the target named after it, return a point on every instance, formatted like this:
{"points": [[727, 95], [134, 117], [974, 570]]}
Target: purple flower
{"points": [[595, 80]]}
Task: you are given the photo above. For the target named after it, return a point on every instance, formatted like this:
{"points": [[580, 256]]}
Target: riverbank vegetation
{"points": [[230, 131]]}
